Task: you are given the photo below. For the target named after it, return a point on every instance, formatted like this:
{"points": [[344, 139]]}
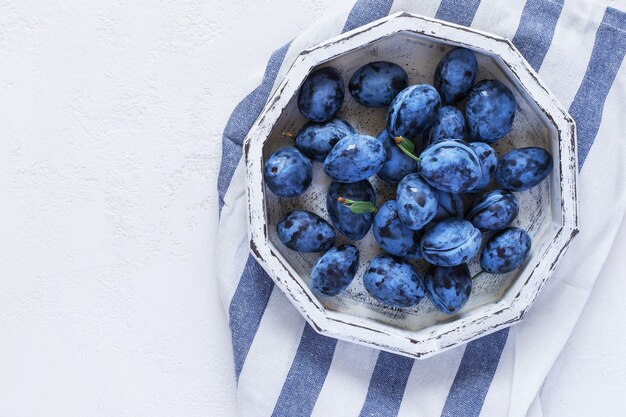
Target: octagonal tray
{"points": [[548, 211]]}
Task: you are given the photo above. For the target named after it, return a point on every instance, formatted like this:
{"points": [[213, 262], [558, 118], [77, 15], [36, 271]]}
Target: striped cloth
{"points": [[284, 368]]}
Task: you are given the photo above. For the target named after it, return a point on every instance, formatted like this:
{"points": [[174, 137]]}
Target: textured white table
{"points": [[111, 146]]}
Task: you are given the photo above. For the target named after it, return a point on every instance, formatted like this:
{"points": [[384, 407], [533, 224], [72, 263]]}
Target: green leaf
{"points": [[407, 147], [362, 210], [360, 207]]}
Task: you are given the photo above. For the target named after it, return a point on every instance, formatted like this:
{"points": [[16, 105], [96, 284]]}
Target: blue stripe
{"points": [[461, 12], [306, 375], [242, 119], [606, 59], [473, 379], [366, 11], [386, 389], [246, 309], [535, 32]]}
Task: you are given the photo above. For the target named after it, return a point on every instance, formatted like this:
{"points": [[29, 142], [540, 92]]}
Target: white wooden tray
{"points": [[548, 211]]}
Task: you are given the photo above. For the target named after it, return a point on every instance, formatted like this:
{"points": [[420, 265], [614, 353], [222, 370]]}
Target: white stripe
{"points": [[425, 7], [565, 64], [539, 339], [270, 357], [618, 4], [429, 383], [346, 385], [492, 17], [232, 249]]}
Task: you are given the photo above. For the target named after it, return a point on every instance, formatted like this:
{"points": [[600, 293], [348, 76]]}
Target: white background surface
{"points": [[111, 115]]}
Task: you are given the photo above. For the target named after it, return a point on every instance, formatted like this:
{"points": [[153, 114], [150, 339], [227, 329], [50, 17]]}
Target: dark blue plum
{"points": [[494, 210], [304, 231], [413, 111], [490, 111], [450, 165], [455, 75], [392, 235], [321, 95], [287, 172], [417, 204], [451, 242], [377, 83], [448, 205], [353, 226], [355, 158], [397, 165], [522, 169], [505, 251], [393, 281], [450, 124], [449, 288], [488, 163], [335, 270], [315, 140]]}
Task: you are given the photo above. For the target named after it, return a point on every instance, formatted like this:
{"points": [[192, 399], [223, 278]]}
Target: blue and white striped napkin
{"points": [[284, 368]]}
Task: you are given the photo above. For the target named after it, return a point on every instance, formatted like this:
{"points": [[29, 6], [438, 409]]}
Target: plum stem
{"points": [[358, 207], [479, 273], [407, 147], [289, 134]]}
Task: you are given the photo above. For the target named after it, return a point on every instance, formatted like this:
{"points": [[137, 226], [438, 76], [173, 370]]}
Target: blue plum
{"points": [[490, 111], [392, 235], [494, 210], [304, 231], [417, 204], [321, 95], [397, 165], [451, 242], [450, 165], [377, 83], [448, 288], [505, 251], [287, 172], [315, 140], [335, 270], [449, 124], [488, 163], [413, 111], [353, 226], [522, 169], [393, 281], [448, 205], [354, 158], [456, 74]]}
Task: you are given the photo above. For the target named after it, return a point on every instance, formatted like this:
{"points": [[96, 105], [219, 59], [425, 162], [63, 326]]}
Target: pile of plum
{"points": [[426, 220]]}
